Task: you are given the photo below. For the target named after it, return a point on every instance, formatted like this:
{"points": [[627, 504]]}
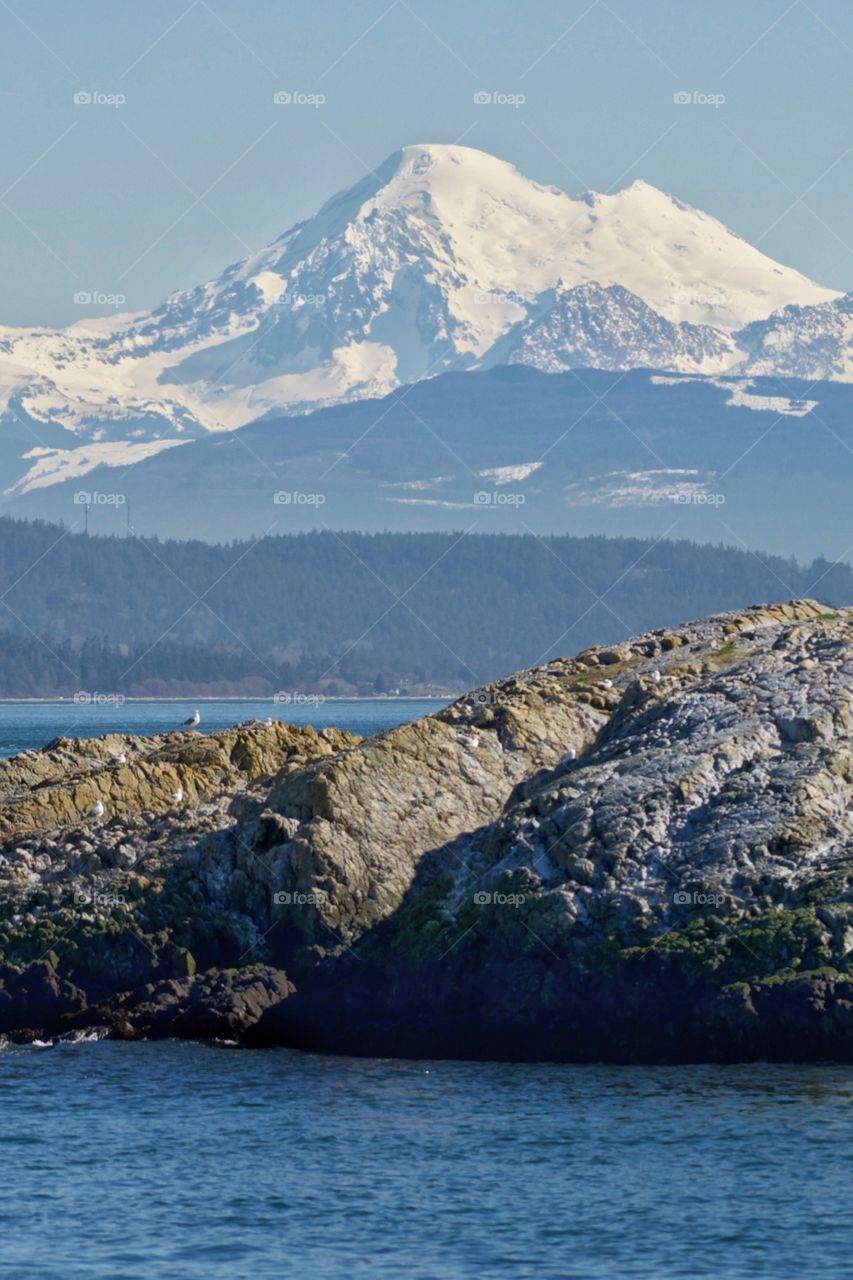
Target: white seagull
{"points": [[567, 756], [268, 722], [656, 677], [97, 810], [607, 684], [193, 720], [121, 758], [178, 795]]}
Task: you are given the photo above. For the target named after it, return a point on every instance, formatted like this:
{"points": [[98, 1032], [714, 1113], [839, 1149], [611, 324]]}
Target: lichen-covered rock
{"points": [[643, 853], [57, 787]]}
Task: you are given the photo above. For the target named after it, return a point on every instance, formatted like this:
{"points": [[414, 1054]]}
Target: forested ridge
{"points": [[348, 612]]}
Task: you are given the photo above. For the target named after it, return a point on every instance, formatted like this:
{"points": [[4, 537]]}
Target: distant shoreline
{"points": [[301, 700]]}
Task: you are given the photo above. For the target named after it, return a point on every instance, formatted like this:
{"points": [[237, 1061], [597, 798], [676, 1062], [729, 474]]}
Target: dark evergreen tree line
{"points": [[348, 610]]}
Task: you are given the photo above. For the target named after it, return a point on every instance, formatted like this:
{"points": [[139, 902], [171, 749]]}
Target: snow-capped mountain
{"points": [[444, 258], [803, 342], [608, 327]]}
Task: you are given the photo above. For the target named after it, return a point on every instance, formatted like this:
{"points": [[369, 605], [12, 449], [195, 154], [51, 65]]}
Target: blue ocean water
{"points": [[194, 1162], [171, 1161], [27, 725]]}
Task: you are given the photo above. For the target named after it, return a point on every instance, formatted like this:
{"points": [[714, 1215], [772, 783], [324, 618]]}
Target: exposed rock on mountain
{"points": [[594, 327], [641, 853], [815, 343]]}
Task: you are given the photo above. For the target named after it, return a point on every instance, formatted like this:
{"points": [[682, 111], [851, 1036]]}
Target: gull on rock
{"points": [[178, 795], [97, 810], [656, 677], [607, 684], [194, 719]]}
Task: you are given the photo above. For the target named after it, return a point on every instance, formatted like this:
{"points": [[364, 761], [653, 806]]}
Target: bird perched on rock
{"points": [[607, 684], [656, 677], [97, 810], [178, 795], [268, 722], [121, 758], [193, 720], [567, 756]]}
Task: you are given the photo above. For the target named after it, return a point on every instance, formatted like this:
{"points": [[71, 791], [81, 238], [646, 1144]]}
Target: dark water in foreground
{"points": [[203, 1163], [28, 725], [190, 1162]]}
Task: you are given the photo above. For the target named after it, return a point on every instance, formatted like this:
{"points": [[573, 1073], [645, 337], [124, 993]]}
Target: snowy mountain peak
{"points": [[444, 257]]}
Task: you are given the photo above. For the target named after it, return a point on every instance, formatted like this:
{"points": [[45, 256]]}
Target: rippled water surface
{"points": [[200, 1162]]}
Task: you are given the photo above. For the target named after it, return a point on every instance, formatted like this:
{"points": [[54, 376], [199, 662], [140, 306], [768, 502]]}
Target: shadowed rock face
{"points": [[643, 853]]}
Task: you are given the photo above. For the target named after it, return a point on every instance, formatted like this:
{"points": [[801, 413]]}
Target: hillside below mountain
{"points": [[764, 463]]}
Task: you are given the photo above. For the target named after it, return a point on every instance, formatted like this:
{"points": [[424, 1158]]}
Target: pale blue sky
{"points": [[103, 198]]}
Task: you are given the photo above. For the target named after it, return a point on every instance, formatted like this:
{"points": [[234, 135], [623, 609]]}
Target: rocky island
{"points": [[640, 854]]}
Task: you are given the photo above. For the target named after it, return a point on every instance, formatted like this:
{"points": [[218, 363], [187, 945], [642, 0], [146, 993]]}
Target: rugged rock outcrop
{"points": [[642, 853]]}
